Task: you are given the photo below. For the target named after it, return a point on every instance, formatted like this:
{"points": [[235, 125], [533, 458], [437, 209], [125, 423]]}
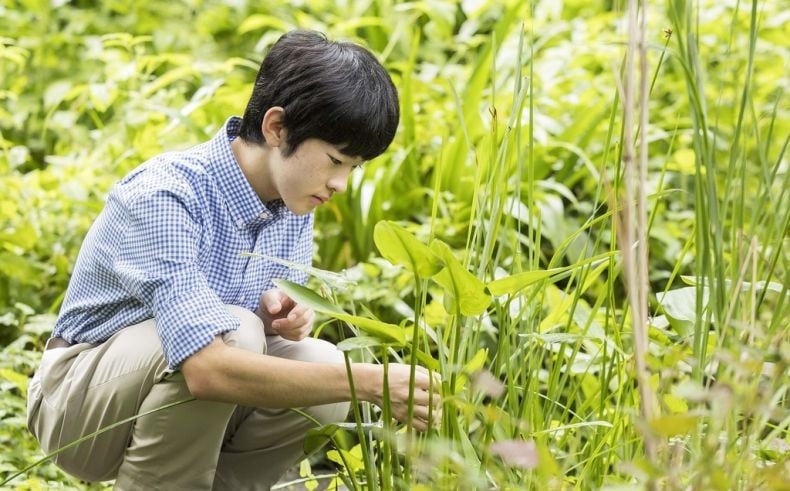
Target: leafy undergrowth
{"points": [[487, 243]]}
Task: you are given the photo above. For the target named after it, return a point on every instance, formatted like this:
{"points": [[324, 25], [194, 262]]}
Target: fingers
{"points": [[426, 398], [423, 416], [271, 301], [297, 325], [283, 316]]}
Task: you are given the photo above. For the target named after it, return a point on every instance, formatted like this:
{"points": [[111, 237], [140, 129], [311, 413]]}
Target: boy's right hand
{"points": [[426, 395]]}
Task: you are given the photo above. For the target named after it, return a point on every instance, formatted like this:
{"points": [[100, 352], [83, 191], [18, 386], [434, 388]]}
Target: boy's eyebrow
{"points": [[341, 161]]}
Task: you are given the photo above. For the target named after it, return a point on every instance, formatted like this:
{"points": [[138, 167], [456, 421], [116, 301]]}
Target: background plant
{"points": [[509, 153]]}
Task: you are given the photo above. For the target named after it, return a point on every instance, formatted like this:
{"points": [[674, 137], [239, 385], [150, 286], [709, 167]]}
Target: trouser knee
{"points": [[250, 334], [325, 352], [330, 413]]}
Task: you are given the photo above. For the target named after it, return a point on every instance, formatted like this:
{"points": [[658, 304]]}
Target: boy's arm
{"points": [[223, 373]]}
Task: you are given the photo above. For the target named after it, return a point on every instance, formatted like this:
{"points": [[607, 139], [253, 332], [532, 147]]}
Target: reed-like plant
{"points": [[502, 217]]}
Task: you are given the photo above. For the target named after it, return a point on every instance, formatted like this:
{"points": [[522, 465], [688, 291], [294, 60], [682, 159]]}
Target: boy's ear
{"points": [[272, 126]]}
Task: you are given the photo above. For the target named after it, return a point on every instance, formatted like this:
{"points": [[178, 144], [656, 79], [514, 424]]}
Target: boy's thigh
{"points": [[87, 388], [309, 349]]}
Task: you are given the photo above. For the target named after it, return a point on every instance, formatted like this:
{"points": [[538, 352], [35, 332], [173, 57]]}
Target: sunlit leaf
{"points": [[473, 365], [307, 297], [399, 246], [18, 379], [746, 286], [467, 292], [680, 308], [512, 284], [674, 424], [389, 333], [318, 437], [260, 21], [359, 342]]}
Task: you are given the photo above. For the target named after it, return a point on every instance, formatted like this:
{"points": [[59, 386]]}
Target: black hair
{"points": [[334, 91]]}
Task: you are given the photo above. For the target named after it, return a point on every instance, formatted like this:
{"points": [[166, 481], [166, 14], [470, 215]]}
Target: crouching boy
{"points": [[163, 306]]}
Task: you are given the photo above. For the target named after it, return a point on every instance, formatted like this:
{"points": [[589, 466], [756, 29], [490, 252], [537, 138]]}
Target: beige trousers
{"points": [[199, 445]]}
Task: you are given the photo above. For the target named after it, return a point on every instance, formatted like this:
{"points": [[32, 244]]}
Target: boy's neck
{"points": [[255, 161]]}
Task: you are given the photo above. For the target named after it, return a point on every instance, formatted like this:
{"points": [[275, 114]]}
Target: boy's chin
{"points": [[299, 208]]}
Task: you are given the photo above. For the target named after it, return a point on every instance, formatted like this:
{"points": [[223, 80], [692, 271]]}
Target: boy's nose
{"points": [[338, 182]]}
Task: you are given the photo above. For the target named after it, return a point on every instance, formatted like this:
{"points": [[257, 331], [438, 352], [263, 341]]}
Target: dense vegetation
{"points": [[489, 243]]}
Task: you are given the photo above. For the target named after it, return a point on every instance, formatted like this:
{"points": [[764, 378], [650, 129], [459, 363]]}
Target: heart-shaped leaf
{"points": [[467, 293], [400, 246]]}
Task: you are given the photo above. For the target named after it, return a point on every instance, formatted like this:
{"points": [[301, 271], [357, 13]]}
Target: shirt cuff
{"points": [[190, 322]]}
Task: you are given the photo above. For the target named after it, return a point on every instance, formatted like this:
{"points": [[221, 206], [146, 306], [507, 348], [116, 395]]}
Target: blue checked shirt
{"points": [[168, 246]]}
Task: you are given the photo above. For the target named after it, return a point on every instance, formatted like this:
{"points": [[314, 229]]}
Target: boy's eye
{"points": [[335, 161]]}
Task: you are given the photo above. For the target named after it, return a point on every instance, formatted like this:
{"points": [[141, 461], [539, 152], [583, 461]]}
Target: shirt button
{"points": [[240, 223], [263, 216]]}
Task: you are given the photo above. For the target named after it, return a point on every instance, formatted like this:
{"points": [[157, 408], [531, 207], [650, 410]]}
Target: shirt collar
{"points": [[245, 207]]}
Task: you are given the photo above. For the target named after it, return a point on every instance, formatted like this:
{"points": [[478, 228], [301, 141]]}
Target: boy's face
{"points": [[311, 175]]}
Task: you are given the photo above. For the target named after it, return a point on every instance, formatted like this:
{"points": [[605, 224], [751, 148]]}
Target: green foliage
{"points": [[497, 207]]}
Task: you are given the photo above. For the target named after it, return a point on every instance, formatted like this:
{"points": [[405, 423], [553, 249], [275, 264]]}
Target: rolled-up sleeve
{"points": [[157, 262]]}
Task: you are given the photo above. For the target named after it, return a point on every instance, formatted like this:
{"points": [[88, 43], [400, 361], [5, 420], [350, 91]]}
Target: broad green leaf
{"points": [[389, 333], [329, 277], [185, 72], [466, 292], [553, 337], [318, 437], [675, 404], [399, 246], [22, 269], [473, 365], [16, 378], [359, 342], [513, 284], [583, 424], [260, 21], [351, 457], [477, 361], [428, 361], [307, 297], [674, 424], [746, 286], [24, 236], [680, 308]]}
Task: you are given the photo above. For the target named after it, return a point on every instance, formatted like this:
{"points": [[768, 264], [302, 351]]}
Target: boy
{"points": [[162, 306]]}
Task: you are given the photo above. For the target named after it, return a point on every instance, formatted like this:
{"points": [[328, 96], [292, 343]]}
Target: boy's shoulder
{"points": [[184, 174]]}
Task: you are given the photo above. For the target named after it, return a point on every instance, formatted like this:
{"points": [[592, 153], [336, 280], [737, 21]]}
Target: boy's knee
{"points": [[320, 351], [250, 335], [330, 413], [312, 350], [326, 352]]}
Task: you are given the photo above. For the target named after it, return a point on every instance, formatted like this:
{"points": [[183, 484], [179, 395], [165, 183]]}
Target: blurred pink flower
{"points": [[483, 381], [518, 453]]}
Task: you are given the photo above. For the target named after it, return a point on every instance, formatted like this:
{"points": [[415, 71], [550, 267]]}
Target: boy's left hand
{"points": [[282, 316]]}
